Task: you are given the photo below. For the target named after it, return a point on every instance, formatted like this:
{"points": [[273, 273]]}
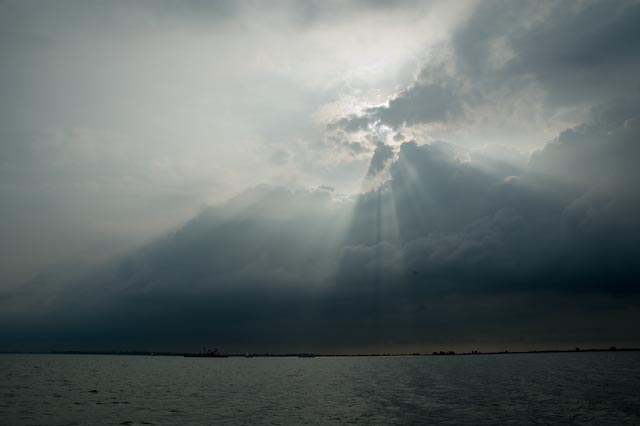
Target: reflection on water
{"points": [[564, 388]]}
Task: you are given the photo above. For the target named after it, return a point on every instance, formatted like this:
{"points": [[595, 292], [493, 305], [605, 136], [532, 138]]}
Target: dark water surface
{"points": [[564, 388]]}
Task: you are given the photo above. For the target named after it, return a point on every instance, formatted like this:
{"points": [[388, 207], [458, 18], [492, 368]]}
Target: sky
{"points": [[330, 176]]}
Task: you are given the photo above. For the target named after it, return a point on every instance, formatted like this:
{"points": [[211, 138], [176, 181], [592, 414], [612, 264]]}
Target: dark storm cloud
{"points": [[446, 249], [246, 267], [418, 104], [575, 53], [567, 220], [381, 157]]}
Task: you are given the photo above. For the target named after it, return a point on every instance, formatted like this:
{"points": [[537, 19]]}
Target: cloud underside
{"points": [[476, 251]]}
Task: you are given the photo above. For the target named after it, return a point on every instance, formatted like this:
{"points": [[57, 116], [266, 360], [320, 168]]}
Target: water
{"points": [[580, 389]]}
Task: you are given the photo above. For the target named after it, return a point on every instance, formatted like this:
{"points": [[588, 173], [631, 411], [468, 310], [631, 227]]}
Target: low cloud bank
{"points": [[452, 249]]}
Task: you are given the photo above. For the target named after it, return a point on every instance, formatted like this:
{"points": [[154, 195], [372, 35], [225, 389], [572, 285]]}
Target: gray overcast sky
{"points": [[317, 145]]}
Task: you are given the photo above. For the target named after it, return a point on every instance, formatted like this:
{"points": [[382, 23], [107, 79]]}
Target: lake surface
{"points": [[563, 388]]}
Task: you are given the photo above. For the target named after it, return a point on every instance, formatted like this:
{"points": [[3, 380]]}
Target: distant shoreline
{"points": [[319, 355]]}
